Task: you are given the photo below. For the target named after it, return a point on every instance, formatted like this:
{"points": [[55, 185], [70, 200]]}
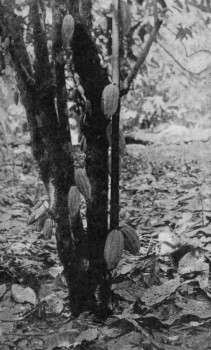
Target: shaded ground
{"points": [[161, 297]]}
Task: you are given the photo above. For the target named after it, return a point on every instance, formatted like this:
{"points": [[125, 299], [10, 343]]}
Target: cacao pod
{"points": [[74, 201], [68, 26], [125, 17], [109, 165], [47, 230], [16, 97], [121, 138], [113, 250], [82, 182], [132, 242], [109, 100]]}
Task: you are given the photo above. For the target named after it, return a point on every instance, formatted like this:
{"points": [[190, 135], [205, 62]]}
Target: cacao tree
{"points": [[42, 86]]}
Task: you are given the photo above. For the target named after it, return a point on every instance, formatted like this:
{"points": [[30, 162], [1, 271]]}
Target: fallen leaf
{"points": [[22, 295], [3, 289], [88, 335], [156, 294]]}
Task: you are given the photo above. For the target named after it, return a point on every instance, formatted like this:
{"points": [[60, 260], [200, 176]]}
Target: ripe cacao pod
{"points": [[68, 26], [132, 242], [82, 182], [16, 97], [121, 138], [109, 165], [74, 201], [109, 100], [47, 230], [113, 250], [125, 17]]}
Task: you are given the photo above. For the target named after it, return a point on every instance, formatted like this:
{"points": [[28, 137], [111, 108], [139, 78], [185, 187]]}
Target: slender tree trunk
{"points": [[114, 212]]}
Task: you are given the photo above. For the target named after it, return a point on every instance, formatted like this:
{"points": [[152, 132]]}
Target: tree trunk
{"points": [[44, 97], [114, 216], [93, 79]]}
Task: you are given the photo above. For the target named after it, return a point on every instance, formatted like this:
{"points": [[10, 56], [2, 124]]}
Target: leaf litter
{"points": [[161, 298]]}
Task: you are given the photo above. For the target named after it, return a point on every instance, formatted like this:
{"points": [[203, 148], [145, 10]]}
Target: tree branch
{"points": [[127, 82], [195, 52]]}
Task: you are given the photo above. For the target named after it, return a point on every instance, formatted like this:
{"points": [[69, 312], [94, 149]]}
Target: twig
{"points": [[195, 52], [180, 65]]}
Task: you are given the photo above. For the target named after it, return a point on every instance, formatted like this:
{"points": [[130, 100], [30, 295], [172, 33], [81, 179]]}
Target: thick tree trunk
{"points": [[44, 97], [93, 79]]}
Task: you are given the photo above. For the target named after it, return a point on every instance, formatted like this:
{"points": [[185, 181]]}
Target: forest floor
{"points": [[162, 296]]}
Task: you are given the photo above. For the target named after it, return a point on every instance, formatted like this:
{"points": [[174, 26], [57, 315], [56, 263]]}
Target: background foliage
{"points": [[174, 83]]}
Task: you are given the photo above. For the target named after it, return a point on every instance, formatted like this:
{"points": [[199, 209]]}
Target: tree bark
{"points": [[50, 139], [93, 78], [114, 211]]}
